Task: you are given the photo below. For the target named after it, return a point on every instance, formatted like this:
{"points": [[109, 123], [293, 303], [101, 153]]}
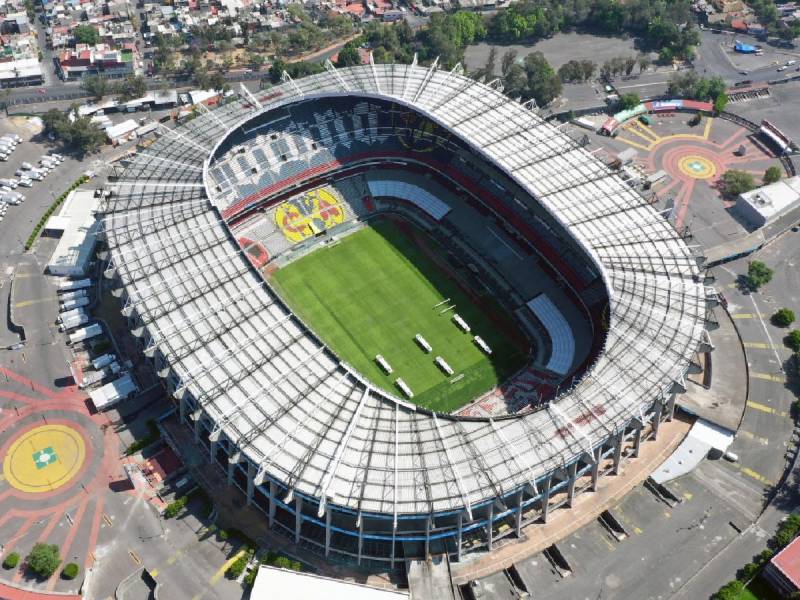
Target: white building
{"points": [[272, 582], [764, 205], [78, 234]]}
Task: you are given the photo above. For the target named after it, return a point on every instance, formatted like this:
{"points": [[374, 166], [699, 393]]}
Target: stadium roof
{"points": [[306, 419]]}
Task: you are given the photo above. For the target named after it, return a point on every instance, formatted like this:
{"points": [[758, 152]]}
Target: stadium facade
{"points": [[335, 464]]}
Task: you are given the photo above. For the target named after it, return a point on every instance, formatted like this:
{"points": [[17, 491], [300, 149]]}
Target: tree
{"points": [[133, 86], [772, 174], [534, 79], [783, 317], [70, 571], [509, 58], [276, 70], [43, 559], [793, 340], [730, 591], [630, 63], [720, 102], [735, 182], [11, 561], [255, 60], [758, 274], [644, 63], [86, 34], [96, 85], [628, 101], [348, 55]]}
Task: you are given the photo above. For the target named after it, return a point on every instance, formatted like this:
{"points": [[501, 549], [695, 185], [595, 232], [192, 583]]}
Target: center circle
{"points": [[697, 167], [44, 458]]}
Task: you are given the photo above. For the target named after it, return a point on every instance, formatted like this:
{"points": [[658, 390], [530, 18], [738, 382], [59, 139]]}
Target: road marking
{"points": [[135, 557], [154, 573], [221, 571], [108, 520], [757, 476], [171, 560], [754, 437], [743, 316], [707, 130], [766, 409], [632, 143], [757, 345], [637, 531], [25, 303], [667, 514], [766, 331], [687, 495], [768, 377]]}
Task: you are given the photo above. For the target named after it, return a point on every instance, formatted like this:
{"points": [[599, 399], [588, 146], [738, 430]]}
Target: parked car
{"points": [[26, 182], [26, 166]]}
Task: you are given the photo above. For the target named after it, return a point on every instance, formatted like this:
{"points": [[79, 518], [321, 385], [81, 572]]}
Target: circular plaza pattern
{"points": [[697, 167], [44, 458]]}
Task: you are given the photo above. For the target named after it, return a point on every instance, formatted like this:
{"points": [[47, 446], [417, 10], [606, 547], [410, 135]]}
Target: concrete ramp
{"points": [[702, 437], [430, 579]]}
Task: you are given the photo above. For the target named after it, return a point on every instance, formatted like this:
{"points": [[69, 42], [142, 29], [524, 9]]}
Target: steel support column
{"points": [[520, 497], [459, 535], [489, 531], [231, 467], [298, 518], [328, 531], [618, 452], [637, 442], [572, 473], [273, 490], [546, 498], [360, 540], [212, 451], [657, 410], [427, 537], [596, 467], [671, 407], [251, 481]]}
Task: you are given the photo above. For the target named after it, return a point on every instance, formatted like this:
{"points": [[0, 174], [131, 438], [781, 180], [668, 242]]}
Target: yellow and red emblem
{"points": [[304, 216]]}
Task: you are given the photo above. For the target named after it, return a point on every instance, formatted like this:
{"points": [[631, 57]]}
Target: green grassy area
{"points": [[371, 292], [758, 589]]}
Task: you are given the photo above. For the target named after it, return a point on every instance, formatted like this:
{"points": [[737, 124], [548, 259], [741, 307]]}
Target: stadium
{"points": [[402, 312]]}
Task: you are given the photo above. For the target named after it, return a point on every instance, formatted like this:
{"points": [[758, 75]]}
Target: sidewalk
{"points": [[11, 593]]}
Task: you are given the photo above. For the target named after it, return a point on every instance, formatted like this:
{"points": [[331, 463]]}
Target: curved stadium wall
{"points": [[335, 464]]}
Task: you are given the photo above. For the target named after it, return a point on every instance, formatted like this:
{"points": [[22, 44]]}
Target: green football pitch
{"points": [[373, 291]]}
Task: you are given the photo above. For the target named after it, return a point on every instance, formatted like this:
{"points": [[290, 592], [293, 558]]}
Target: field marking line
{"points": [[502, 241], [743, 316], [768, 377], [221, 571], [135, 557]]}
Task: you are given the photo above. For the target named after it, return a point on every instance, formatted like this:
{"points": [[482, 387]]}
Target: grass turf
{"points": [[371, 292]]}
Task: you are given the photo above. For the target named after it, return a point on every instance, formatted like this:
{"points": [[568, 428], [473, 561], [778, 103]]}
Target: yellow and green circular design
{"points": [[44, 458], [697, 167]]}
